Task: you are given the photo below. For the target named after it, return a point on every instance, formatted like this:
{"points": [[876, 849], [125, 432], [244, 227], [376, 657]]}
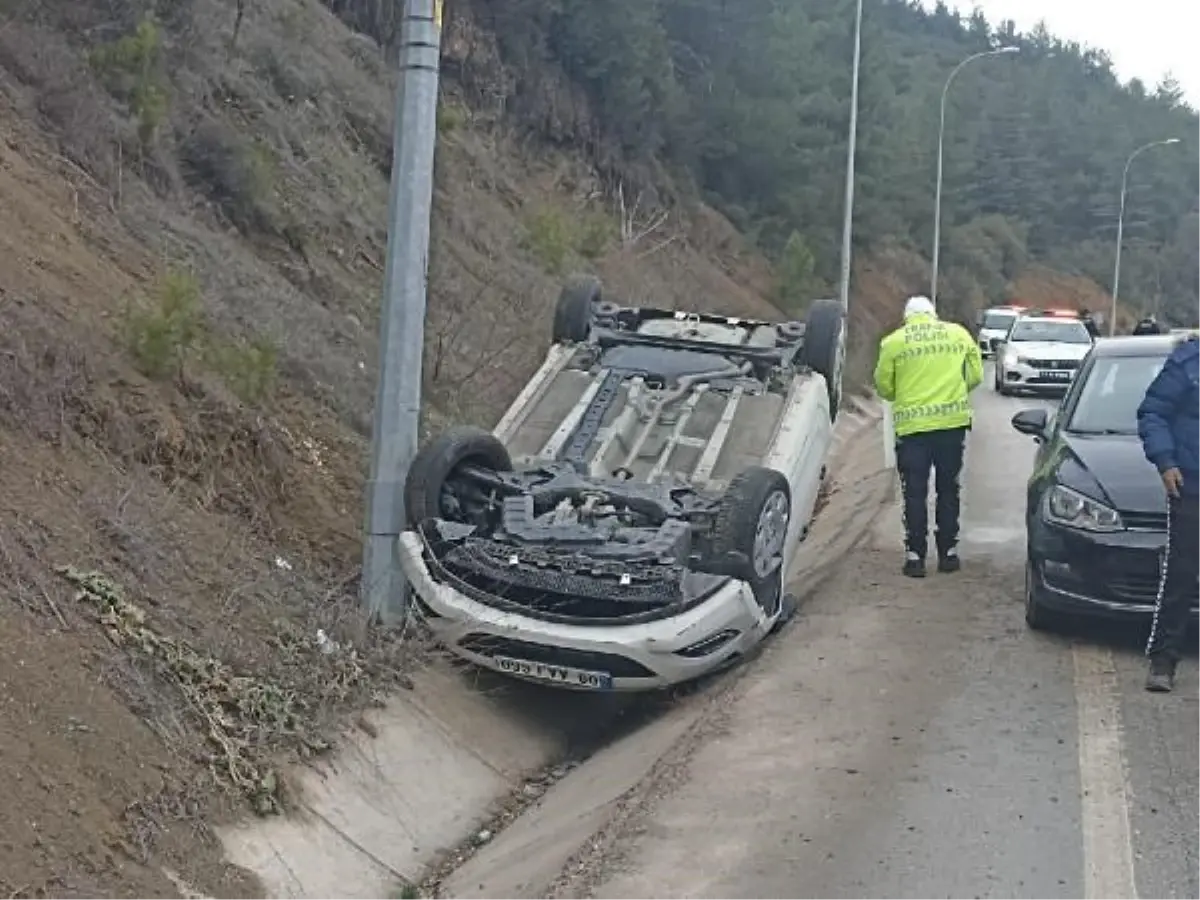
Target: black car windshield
{"points": [[1068, 331], [998, 321], [1111, 393]]}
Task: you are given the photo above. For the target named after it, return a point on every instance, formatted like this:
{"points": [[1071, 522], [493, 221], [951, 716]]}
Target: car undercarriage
{"points": [[630, 486]]}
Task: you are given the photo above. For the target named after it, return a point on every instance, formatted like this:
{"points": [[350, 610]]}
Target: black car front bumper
{"points": [[1108, 575]]}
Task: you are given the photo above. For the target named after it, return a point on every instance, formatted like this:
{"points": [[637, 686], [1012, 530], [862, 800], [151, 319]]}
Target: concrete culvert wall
{"points": [[472, 785]]}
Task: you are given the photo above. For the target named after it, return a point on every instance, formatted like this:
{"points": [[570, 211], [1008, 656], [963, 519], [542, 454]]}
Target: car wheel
{"points": [[750, 533], [436, 463], [1037, 616], [573, 312], [825, 347]]}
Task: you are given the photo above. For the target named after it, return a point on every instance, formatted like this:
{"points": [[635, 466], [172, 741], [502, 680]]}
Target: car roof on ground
{"points": [[1141, 345]]}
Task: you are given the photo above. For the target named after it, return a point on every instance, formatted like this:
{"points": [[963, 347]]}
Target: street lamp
{"points": [[1116, 284], [937, 203], [851, 140]]}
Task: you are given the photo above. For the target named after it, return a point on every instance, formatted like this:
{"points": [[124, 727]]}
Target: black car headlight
{"points": [[1071, 508]]}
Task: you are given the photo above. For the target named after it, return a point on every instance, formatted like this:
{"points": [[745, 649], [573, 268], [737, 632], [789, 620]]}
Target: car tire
{"points": [[1037, 617], [750, 533], [436, 462], [825, 347], [573, 312]]}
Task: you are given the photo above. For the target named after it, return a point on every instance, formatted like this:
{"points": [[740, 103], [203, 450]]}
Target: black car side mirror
{"points": [[997, 343], [1032, 422]]}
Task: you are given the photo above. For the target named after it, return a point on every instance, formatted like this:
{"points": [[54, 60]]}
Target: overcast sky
{"points": [[1145, 39]]}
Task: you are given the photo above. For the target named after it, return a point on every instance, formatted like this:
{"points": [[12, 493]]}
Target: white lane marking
{"points": [[1107, 838]]}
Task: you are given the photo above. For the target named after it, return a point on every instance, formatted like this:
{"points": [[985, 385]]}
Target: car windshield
{"points": [[998, 321], [1063, 332], [1111, 394]]}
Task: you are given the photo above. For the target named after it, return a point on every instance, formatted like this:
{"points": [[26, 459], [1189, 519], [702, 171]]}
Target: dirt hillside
{"points": [[191, 237]]}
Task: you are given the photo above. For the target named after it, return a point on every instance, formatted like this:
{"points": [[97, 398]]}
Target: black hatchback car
{"points": [[1095, 509]]}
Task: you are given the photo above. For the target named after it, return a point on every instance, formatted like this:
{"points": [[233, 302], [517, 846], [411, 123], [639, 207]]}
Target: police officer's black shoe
{"points": [[1161, 679], [914, 566], [949, 561]]}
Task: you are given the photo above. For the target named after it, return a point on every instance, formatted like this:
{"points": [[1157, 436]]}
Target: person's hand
{"points": [[1172, 480]]}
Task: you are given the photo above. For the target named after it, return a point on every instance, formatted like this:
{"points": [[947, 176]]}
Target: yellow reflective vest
{"points": [[926, 370]]}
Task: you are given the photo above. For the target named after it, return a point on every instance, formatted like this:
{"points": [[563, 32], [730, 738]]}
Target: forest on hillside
{"points": [[747, 103]]}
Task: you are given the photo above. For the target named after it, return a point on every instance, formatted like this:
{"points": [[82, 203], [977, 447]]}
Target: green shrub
{"points": [[162, 335], [450, 117], [596, 232], [795, 279], [160, 338], [249, 368], [131, 68], [550, 238]]}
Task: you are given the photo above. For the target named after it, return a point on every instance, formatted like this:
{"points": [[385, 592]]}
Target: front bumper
{"points": [[1114, 575], [1024, 377], [633, 657]]}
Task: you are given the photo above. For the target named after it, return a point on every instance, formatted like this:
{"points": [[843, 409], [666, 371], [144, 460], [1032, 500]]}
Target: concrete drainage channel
{"points": [[476, 786]]}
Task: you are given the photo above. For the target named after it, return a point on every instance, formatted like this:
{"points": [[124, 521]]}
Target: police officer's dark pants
{"points": [[1178, 587], [916, 454]]}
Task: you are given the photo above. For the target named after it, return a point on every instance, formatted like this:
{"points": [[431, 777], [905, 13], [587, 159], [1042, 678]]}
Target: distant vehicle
{"points": [[630, 522], [1040, 353], [1148, 326], [1095, 509], [994, 324]]}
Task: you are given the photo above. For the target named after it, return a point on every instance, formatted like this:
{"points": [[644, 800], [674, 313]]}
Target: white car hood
{"points": [[1049, 350]]}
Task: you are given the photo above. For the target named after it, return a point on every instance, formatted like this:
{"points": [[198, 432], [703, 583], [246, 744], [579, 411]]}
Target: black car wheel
{"points": [[436, 463], [1037, 616], [573, 312], [825, 347], [750, 533]]}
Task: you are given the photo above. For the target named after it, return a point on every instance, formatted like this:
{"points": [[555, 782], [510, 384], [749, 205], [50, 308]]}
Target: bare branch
{"points": [[237, 25], [635, 228]]}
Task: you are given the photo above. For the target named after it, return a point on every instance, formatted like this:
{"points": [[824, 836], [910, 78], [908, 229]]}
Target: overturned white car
{"points": [[629, 523]]}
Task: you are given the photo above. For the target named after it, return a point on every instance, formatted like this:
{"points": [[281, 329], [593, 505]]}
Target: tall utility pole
{"points": [[937, 203], [851, 144], [402, 320], [1116, 284]]}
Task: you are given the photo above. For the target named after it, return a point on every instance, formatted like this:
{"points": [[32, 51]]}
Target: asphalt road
{"points": [[913, 739]]}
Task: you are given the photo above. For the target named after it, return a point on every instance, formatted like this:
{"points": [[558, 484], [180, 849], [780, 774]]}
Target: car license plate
{"points": [[566, 675], [1054, 376]]}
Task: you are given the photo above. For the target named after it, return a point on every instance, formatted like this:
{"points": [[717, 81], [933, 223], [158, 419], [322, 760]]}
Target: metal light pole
{"points": [[1116, 284], [937, 203], [851, 143], [402, 321]]}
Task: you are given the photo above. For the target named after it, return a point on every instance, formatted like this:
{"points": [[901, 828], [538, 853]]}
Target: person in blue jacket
{"points": [[1169, 426]]}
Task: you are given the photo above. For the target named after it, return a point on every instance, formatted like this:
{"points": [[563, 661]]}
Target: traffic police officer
{"points": [[926, 369]]}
